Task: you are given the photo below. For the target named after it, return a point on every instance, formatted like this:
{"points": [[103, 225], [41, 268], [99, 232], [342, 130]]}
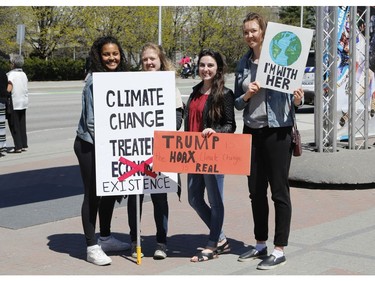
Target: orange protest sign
{"points": [[189, 152]]}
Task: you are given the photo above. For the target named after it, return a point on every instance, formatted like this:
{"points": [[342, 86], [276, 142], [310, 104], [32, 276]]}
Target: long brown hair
{"points": [[260, 19], [217, 87]]}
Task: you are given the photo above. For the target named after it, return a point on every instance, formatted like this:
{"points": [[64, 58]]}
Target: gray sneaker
{"points": [[112, 244], [252, 254], [134, 251], [160, 251]]}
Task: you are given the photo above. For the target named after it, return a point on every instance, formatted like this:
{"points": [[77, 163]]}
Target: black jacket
{"points": [[3, 87], [227, 124]]}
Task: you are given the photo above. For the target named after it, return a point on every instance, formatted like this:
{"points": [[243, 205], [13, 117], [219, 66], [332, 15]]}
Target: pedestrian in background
{"points": [[3, 102], [17, 86], [154, 59], [195, 65], [210, 110], [106, 55], [269, 117]]}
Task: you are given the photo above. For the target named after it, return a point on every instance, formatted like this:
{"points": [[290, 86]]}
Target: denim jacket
{"points": [[280, 107], [85, 129]]}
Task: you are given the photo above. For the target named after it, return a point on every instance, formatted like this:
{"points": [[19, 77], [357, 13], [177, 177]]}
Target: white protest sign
{"points": [[283, 58], [128, 107]]}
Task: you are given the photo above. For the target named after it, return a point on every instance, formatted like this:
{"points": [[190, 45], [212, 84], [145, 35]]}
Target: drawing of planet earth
{"points": [[285, 48]]}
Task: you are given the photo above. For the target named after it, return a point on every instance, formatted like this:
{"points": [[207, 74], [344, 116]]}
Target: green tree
{"points": [[56, 32], [220, 28], [47, 27], [175, 37], [9, 18], [292, 15]]}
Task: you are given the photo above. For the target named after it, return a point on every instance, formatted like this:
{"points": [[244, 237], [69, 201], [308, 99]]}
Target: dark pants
{"points": [[17, 127], [92, 204], [161, 213], [270, 162]]}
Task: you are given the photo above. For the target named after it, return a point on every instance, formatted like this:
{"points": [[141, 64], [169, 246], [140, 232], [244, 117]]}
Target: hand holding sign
{"points": [[283, 57], [253, 88], [128, 107]]}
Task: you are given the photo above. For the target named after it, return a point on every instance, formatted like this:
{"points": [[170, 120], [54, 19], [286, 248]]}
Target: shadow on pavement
{"points": [[72, 244], [39, 185], [179, 246]]}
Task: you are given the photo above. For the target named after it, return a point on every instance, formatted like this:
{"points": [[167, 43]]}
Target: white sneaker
{"points": [[112, 244], [96, 256]]}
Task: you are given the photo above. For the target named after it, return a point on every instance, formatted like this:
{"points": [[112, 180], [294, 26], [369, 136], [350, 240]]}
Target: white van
{"points": [[308, 81]]}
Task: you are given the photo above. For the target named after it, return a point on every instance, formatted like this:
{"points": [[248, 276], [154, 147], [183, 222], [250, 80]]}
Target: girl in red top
{"points": [[210, 110]]}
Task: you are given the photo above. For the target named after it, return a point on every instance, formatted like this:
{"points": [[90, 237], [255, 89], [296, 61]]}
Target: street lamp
{"points": [[159, 40]]}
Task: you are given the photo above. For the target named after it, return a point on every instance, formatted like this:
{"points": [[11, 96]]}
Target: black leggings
{"points": [[85, 153], [161, 212]]}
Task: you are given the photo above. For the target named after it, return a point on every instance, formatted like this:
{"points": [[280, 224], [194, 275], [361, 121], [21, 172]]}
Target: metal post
{"points": [[318, 102], [159, 39], [333, 82], [326, 78], [138, 247], [352, 77], [367, 78], [20, 36]]}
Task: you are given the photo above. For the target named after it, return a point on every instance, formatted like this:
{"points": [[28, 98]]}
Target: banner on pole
{"points": [[189, 152], [344, 58], [283, 58], [128, 107]]}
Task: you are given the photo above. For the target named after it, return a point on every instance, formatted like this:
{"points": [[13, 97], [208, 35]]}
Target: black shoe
{"points": [[252, 254], [271, 262], [225, 248]]}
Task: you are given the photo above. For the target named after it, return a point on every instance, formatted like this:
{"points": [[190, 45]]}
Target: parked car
{"points": [[308, 81]]}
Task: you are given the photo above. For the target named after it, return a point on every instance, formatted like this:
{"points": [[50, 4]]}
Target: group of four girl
{"points": [[209, 110]]}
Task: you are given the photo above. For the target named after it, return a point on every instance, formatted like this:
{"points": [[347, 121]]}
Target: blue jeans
{"points": [[212, 215]]}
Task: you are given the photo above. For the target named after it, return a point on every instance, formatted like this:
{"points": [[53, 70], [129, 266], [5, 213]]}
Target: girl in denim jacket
{"points": [[268, 116]]}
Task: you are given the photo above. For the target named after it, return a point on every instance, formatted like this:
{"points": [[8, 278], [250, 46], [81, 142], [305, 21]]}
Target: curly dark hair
{"points": [[95, 54], [217, 87]]}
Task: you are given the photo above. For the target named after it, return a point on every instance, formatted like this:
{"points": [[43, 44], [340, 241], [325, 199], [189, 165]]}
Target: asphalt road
{"points": [[55, 107]]}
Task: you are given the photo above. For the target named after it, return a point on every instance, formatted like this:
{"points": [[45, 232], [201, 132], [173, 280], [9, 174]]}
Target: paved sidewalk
{"points": [[332, 233], [332, 230]]}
